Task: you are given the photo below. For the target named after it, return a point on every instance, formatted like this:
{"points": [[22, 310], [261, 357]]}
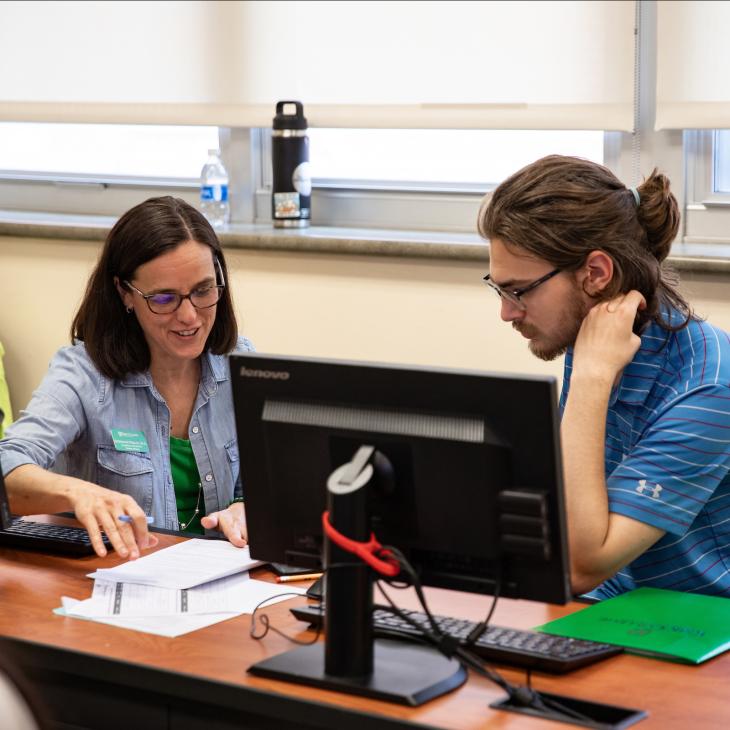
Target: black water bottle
{"points": [[292, 190]]}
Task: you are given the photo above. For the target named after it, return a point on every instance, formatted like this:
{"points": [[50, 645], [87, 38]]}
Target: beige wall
{"points": [[394, 310]]}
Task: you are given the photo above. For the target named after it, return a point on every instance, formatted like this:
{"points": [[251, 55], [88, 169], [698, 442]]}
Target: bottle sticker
{"points": [[129, 440], [214, 193], [302, 179], [286, 205]]}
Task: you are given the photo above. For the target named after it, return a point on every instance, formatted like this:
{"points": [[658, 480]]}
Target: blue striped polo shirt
{"points": [[668, 458]]}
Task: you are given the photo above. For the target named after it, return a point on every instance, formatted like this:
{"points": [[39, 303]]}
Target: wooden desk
{"points": [[97, 676]]}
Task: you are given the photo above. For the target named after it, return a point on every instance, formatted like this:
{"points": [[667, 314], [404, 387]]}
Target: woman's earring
{"points": [[129, 310]]}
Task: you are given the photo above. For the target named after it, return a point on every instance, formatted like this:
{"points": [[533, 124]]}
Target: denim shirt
{"points": [[68, 423]]}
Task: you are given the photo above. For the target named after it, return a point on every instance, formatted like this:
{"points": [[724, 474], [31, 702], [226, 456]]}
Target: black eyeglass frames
{"points": [[514, 296], [169, 302]]}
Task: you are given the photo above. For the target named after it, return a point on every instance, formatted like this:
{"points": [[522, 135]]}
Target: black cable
{"points": [[521, 695], [449, 646], [268, 626], [264, 619], [415, 581]]}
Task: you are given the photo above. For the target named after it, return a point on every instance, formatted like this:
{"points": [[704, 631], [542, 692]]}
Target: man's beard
{"points": [[552, 346]]}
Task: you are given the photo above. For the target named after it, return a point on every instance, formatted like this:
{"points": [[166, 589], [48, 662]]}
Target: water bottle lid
{"points": [[290, 121]]}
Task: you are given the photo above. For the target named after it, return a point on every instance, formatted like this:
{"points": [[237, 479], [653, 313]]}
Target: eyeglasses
{"points": [[514, 296], [167, 302]]}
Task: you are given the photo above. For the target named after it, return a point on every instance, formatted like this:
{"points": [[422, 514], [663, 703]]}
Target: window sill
{"points": [[695, 257]]}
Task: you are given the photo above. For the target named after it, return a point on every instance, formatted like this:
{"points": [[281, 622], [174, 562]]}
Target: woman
{"points": [[135, 418]]}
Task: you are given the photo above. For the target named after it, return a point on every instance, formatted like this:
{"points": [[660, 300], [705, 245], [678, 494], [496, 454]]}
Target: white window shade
{"points": [[550, 65], [120, 62], [693, 58]]}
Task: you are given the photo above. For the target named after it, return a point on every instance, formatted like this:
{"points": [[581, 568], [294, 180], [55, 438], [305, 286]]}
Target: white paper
{"points": [[183, 565], [183, 623], [234, 594], [132, 599], [160, 625]]}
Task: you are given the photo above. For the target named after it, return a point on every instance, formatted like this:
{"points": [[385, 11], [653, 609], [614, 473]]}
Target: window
{"points": [[721, 162], [104, 152], [99, 169], [420, 179], [465, 159], [707, 210]]}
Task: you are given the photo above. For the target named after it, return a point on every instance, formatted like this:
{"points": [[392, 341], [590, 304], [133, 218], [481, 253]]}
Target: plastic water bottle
{"points": [[214, 191]]}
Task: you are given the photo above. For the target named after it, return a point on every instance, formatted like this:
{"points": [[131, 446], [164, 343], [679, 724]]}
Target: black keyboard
{"points": [[498, 645], [50, 538]]}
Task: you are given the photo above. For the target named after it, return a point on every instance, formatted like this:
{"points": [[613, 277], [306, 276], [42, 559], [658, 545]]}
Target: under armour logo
{"points": [[647, 489]]}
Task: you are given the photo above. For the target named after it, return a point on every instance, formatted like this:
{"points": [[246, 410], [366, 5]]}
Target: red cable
{"points": [[366, 551]]}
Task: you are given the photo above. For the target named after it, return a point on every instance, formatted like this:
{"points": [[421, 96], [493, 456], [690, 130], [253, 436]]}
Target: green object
{"points": [[7, 412], [129, 440], [684, 627], [188, 493]]}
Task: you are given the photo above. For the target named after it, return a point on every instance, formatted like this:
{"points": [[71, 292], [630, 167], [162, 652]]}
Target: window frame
{"points": [[350, 204], [72, 196], [706, 212], [394, 205], [246, 153]]}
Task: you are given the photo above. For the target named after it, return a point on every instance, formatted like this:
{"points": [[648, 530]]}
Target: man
{"points": [[576, 258]]}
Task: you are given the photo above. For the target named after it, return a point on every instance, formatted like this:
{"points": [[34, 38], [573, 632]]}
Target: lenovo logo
{"points": [[264, 374]]}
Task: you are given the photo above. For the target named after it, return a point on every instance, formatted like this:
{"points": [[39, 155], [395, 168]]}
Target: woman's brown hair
{"points": [[114, 340], [561, 208]]}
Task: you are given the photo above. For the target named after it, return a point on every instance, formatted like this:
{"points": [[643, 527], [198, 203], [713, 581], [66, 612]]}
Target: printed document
{"points": [[183, 565], [235, 594]]}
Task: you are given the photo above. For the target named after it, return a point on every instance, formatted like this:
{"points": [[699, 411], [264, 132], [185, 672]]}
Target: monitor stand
{"points": [[350, 659], [408, 674]]}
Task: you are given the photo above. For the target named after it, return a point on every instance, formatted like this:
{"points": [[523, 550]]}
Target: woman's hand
{"points": [[606, 342], [98, 509], [231, 522], [33, 490]]}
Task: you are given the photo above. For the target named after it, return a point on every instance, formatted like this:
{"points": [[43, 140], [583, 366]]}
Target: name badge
{"points": [[129, 440]]}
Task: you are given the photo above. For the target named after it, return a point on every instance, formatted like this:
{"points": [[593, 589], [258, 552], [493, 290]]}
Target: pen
{"points": [[127, 518], [303, 576]]}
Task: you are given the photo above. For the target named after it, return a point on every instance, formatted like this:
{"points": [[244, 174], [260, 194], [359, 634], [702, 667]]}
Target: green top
{"points": [[188, 492]]}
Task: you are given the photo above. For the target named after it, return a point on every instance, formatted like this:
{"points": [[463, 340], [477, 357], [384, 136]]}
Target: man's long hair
{"points": [[559, 209]]}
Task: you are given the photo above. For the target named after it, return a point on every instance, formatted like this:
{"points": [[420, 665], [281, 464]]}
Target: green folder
{"points": [[684, 627]]}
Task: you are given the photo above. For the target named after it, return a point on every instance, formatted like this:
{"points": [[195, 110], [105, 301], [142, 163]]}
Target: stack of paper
{"points": [[179, 589]]}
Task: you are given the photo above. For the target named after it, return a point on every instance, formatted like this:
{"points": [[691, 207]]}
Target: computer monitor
{"points": [[474, 493]]}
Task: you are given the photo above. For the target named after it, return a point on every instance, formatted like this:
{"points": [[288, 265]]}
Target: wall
{"points": [[432, 312]]}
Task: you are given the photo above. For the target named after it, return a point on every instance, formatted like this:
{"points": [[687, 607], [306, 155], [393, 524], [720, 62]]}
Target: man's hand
{"points": [[600, 542], [606, 342], [231, 522]]}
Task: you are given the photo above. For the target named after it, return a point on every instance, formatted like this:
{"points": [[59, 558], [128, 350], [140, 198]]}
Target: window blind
{"points": [[550, 65], [693, 57]]}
